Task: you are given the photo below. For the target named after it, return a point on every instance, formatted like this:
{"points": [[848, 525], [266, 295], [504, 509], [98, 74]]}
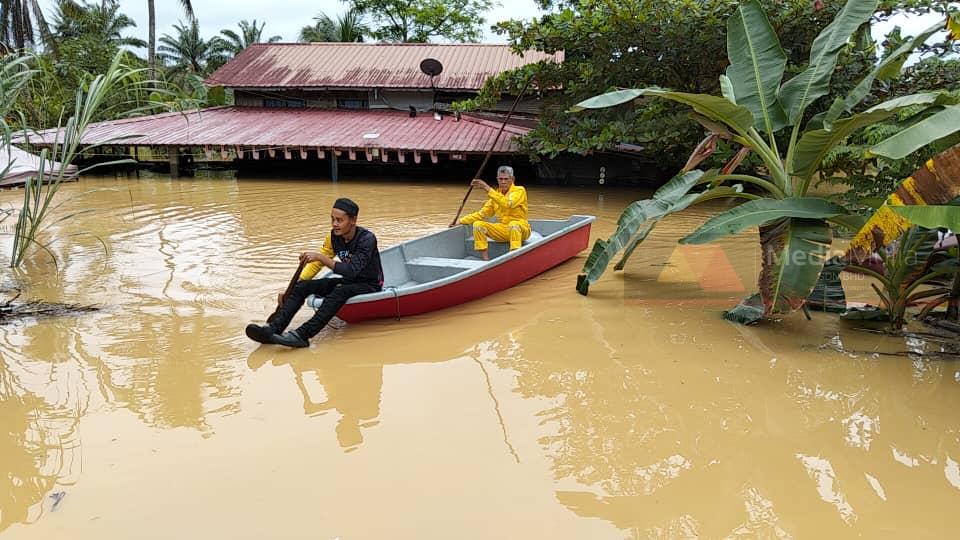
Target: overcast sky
{"points": [[286, 17], [283, 17]]}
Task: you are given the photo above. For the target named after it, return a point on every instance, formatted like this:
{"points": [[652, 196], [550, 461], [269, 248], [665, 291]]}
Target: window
{"points": [[285, 103], [352, 103]]}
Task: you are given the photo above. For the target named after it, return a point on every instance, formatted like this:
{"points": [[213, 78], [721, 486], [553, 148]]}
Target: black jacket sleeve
{"points": [[360, 257]]}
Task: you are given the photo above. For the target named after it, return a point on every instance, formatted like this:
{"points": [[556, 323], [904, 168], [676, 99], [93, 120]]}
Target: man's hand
{"points": [[312, 256], [478, 183]]}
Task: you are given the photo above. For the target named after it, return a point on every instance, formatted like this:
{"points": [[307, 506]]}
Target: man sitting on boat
{"points": [[509, 205], [359, 266]]}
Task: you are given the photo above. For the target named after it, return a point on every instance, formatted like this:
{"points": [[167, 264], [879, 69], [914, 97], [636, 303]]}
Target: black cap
{"points": [[349, 207]]}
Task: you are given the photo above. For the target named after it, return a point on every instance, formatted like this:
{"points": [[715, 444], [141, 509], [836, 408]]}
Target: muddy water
{"points": [[536, 413]]}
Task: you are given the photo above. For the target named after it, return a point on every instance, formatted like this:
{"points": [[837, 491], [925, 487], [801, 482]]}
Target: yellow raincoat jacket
{"points": [[510, 210], [311, 269]]}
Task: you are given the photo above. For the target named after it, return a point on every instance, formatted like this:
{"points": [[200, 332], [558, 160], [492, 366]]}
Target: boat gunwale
{"points": [[576, 221]]}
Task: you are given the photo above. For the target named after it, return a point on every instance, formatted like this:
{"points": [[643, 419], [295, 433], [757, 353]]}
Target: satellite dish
{"points": [[431, 67]]}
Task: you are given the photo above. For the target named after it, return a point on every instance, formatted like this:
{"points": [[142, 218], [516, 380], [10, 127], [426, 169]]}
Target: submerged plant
{"points": [[906, 272], [795, 226]]}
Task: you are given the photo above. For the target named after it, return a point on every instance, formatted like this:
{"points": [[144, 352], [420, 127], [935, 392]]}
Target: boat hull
{"points": [[498, 276]]}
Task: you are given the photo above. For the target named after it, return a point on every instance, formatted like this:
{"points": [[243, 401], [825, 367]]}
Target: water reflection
{"points": [[327, 384], [749, 440], [42, 398], [636, 409]]}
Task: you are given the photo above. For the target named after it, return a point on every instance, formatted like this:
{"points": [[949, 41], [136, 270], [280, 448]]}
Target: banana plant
{"points": [[755, 106], [914, 271]]}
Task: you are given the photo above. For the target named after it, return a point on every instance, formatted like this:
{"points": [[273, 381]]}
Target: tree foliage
{"points": [[186, 52], [757, 103], [348, 27], [666, 43], [419, 21], [231, 43]]}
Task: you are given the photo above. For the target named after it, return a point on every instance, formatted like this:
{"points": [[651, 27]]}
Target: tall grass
{"points": [[15, 73], [119, 90]]}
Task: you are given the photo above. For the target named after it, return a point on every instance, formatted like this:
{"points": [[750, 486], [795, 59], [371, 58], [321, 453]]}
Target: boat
{"points": [[442, 270]]}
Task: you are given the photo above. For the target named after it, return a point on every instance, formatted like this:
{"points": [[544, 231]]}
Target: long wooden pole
{"points": [[490, 152], [286, 293]]}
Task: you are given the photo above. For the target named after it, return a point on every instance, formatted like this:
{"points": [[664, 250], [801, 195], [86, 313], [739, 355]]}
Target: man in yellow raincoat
{"points": [[509, 205]]}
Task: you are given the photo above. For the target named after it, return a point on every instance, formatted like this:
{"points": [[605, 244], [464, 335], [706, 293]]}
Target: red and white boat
{"points": [[442, 269]]}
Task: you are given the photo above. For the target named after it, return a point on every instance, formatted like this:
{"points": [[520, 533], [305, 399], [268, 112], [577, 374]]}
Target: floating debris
{"points": [[57, 497], [12, 310]]}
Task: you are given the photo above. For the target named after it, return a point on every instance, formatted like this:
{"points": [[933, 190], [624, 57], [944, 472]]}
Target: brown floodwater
{"points": [[636, 412]]}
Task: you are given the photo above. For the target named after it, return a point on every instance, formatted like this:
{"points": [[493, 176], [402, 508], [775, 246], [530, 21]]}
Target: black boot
{"points": [[290, 339], [260, 333]]}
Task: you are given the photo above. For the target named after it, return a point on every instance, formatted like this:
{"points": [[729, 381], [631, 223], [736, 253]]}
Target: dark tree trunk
{"points": [[152, 39]]}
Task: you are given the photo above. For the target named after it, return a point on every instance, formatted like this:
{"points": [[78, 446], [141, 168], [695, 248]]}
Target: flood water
{"points": [[635, 412]]}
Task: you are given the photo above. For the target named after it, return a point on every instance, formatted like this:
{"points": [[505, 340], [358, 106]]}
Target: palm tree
{"points": [[152, 34], [188, 53], [349, 27], [232, 43], [17, 27], [102, 21]]}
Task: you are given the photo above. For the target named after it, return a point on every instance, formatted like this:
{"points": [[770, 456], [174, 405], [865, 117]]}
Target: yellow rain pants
{"points": [[510, 209]]}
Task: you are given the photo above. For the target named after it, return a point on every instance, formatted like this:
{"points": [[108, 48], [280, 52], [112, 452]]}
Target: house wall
{"points": [[422, 100]]}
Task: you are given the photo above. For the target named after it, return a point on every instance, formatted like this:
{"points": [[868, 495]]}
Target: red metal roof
{"points": [[16, 166], [324, 128], [369, 65]]}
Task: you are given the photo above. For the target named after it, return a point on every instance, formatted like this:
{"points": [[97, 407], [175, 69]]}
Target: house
{"points": [[334, 104]]}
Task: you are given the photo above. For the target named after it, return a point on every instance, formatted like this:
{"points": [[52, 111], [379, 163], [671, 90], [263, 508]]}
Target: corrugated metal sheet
{"points": [[324, 128], [16, 166], [369, 65]]}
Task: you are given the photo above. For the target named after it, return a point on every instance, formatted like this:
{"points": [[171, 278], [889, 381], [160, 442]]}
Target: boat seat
{"points": [[499, 248], [424, 269]]}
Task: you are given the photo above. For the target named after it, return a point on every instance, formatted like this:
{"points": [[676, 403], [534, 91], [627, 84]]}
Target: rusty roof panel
{"points": [[369, 65], [267, 127]]}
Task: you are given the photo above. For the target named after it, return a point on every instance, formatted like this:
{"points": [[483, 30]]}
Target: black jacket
{"points": [[359, 259]]}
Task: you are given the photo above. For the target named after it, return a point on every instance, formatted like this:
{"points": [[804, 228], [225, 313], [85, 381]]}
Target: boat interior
{"points": [[421, 263], [450, 252]]}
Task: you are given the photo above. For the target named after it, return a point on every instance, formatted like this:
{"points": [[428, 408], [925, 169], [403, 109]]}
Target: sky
{"points": [[286, 17], [283, 17]]}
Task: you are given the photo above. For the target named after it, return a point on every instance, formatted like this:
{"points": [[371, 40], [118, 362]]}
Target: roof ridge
{"points": [[375, 44]]}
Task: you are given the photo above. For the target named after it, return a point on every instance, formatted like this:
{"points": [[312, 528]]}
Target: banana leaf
{"points": [[609, 99], [719, 192], [671, 197], [891, 64], [761, 211], [931, 217], [715, 108], [814, 145], [748, 311], [635, 241], [814, 82], [865, 314], [794, 251], [756, 65], [915, 137], [936, 183], [726, 89]]}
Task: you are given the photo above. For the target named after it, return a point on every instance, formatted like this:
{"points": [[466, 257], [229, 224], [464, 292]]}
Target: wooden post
{"points": [[173, 155], [333, 166]]}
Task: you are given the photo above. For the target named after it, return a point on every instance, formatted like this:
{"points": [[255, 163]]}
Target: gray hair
{"points": [[505, 169]]}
